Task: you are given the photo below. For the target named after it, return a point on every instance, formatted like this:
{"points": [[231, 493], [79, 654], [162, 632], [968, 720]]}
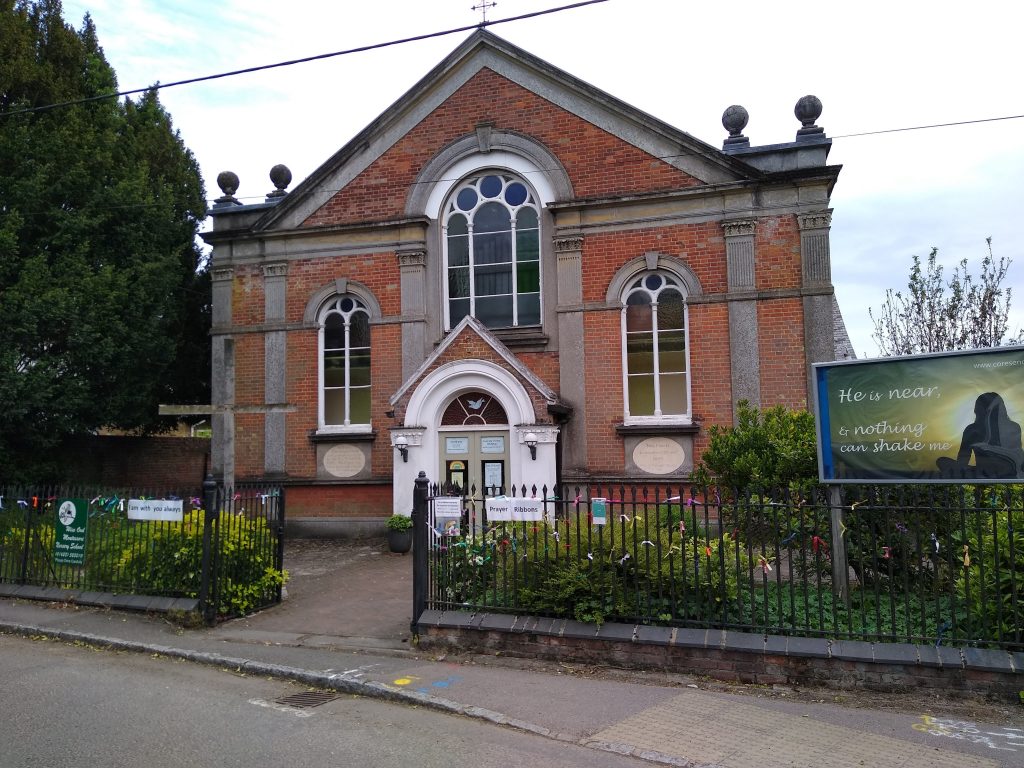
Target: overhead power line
{"points": [[291, 62], [933, 125]]}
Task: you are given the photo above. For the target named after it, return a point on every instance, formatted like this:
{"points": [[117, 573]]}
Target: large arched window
{"points": [[657, 379], [344, 365], [492, 252]]}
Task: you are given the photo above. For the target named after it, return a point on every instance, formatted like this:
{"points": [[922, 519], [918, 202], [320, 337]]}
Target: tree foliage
{"points": [[936, 315], [103, 294], [772, 449]]}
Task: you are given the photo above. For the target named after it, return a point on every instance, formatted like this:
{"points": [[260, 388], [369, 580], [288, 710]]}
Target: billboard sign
{"points": [[951, 417]]}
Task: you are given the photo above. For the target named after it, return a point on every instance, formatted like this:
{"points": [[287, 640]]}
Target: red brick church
{"points": [[511, 277]]}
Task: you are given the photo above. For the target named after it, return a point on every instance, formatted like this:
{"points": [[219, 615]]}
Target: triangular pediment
{"points": [[484, 51], [502, 355]]}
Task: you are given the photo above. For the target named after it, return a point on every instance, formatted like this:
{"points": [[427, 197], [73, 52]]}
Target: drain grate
{"points": [[308, 699]]}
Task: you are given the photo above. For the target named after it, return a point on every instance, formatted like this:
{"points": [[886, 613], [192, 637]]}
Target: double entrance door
{"points": [[475, 460]]}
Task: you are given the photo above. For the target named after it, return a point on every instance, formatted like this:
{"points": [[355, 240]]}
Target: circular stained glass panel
{"points": [[467, 199]]}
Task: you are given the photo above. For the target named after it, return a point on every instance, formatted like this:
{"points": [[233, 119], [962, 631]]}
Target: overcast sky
{"points": [[874, 65]]}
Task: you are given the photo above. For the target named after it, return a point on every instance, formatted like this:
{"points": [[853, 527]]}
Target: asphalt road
{"points": [[74, 706]]}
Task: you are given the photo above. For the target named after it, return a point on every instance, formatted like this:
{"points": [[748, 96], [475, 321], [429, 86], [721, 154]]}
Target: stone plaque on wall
{"points": [[659, 456], [342, 461]]}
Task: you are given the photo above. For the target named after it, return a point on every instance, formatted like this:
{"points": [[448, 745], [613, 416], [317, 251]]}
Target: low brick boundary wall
{"points": [[731, 656]]}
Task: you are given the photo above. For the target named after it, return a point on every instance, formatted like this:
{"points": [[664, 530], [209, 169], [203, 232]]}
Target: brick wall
{"points": [[598, 163], [137, 462], [338, 501]]}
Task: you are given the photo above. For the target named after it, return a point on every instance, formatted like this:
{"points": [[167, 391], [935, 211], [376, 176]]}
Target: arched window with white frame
{"points": [[492, 252], [344, 365], [655, 365]]}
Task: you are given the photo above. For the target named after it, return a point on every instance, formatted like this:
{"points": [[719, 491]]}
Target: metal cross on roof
{"points": [[482, 7]]}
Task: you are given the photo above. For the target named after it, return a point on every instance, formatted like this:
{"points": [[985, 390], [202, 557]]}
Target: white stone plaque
{"points": [[658, 455], [344, 460]]}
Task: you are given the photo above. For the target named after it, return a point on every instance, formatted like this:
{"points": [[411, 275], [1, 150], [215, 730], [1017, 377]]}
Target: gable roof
{"points": [[470, 324], [486, 50]]}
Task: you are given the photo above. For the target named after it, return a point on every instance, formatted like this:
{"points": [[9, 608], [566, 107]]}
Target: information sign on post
{"points": [[447, 515], [70, 531], [950, 417]]}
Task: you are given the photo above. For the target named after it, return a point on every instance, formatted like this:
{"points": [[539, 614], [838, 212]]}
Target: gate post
{"points": [[208, 611], [420, 546], [25, 548], [840, 566]]}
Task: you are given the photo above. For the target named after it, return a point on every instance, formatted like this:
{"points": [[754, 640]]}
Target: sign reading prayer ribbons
{"points": [[941, 418], [70, 531], [599, 511], [171, 510], [504, 508]]}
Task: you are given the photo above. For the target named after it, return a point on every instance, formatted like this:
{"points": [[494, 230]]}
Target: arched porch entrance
{"points": [[468, 421]]}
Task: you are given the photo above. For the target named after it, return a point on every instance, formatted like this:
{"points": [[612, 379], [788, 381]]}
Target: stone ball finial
{"points": [[734, 120], [808, 110], [228, 183], [281, 177]]}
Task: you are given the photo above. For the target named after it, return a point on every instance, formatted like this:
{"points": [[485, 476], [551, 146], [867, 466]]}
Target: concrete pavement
{"points": [[345, 625]]}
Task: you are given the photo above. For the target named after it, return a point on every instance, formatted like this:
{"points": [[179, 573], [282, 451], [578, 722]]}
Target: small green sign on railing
{"points": [[70, 531]]}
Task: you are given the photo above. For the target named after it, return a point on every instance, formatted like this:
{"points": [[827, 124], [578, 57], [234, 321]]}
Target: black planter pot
{"points": [[399, 541]]}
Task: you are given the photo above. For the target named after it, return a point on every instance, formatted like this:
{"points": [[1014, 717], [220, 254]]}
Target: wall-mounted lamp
{"points": [[531, 441], [402, 444]]}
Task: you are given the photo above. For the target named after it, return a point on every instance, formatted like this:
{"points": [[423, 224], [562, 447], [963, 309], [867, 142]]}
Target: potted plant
{"points": [[399, 530]]}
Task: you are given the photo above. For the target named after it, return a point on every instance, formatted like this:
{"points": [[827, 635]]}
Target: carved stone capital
{"points": [[279, 269], [739, 227], [567, 244], [816, 220], [222, 274], [417, 258]]}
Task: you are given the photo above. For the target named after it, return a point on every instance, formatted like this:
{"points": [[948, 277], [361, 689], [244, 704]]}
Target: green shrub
{"points": [[398, 523], [12, 546], [990, 584], [595, 573], [772, 449], [172, 563]]}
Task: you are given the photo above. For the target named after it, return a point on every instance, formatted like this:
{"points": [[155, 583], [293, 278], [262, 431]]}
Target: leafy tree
{"points": [[772, 449], [102, 286], [935, 315]]}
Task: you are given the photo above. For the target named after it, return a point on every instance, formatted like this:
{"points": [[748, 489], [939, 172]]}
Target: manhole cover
{"points": [[308, 699]]}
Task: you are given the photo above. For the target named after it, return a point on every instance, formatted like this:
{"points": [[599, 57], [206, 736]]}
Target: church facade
{"points": [[512, 278]]}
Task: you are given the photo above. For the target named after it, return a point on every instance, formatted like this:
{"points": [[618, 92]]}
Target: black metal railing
{"points": [[226, 549], [920, 564]]}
